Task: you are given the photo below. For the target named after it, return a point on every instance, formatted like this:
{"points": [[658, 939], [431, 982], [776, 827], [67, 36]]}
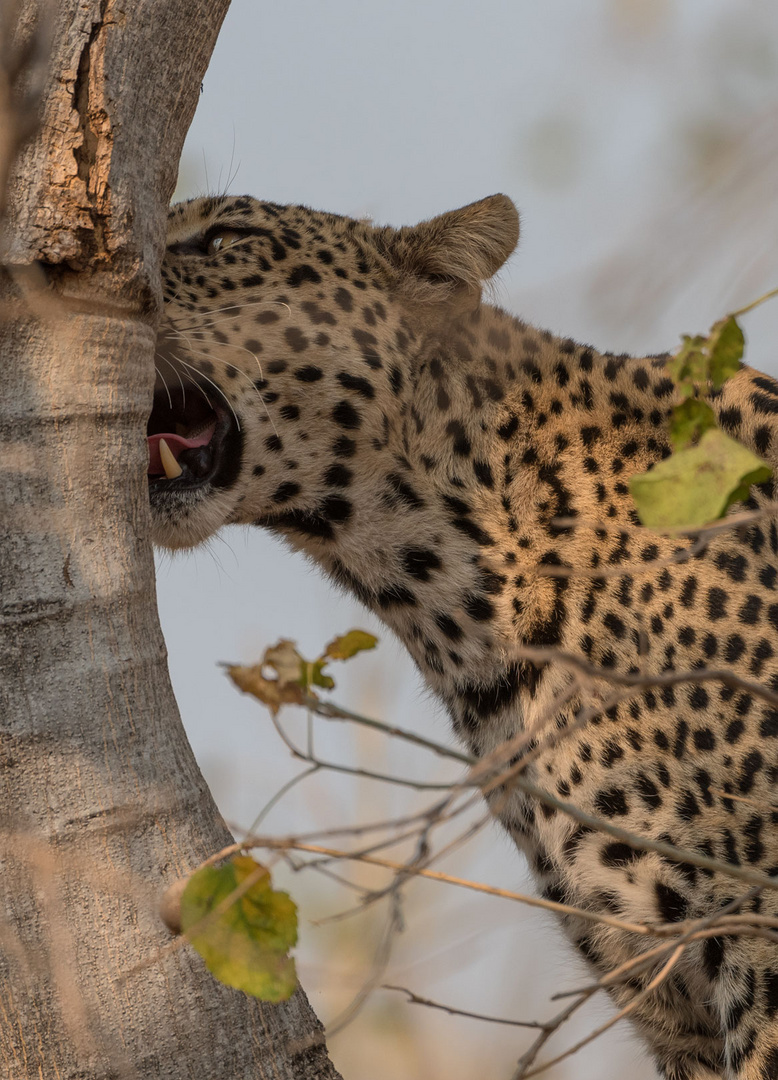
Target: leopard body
{"points": [[466, 477]]}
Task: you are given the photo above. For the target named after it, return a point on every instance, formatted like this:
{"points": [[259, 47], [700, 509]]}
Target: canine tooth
{"points": [[169, 463]]}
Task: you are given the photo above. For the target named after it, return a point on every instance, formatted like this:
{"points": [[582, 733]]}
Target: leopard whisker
{"points": [[218, 359], [170, 364], [216, 387]]}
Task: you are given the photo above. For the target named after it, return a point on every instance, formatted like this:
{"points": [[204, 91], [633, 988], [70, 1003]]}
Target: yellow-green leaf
{"points": [[348, 645], [695, 486], [244, 938], [690, 363], [316, 676], [688, 422], [726, 349]]}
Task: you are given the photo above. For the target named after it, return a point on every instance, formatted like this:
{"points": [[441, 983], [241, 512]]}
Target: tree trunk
{"points": [[101, 802]]}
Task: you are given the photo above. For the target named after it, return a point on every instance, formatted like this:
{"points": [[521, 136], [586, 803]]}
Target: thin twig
{"points": [[414, 999], [522, 1074]]}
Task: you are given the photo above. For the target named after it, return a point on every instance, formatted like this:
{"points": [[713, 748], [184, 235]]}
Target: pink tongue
{"points": [[177, 445]]}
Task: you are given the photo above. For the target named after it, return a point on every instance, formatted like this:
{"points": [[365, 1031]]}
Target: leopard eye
{"points": [[219, 240]]}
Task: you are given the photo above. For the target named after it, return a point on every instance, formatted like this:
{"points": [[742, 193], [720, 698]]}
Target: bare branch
{"points": [[414, 999]]}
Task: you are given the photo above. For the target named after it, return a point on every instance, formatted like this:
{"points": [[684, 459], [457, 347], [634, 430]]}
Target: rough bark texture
{"points": [[101, 802]]}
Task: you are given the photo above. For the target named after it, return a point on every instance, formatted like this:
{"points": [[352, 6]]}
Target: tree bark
{"points": [[101, 802]]}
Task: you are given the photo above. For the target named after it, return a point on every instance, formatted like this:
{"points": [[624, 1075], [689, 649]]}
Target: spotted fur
{"points": [[466, 477]]}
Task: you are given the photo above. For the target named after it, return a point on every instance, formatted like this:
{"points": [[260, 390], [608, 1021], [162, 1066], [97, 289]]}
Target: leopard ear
{"points": [[463, 247]]}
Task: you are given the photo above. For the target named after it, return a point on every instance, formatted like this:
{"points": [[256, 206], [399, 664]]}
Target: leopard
{"points": [[351, 388]]}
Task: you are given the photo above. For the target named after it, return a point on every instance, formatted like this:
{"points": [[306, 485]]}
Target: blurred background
{"points": [[639, 138]]}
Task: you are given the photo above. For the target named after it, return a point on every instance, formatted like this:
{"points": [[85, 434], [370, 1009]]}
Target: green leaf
{"points": [[348, 645], [726, 350], [243, 940], [690, 364], [316, 676], [695, 486], [689, 420]]}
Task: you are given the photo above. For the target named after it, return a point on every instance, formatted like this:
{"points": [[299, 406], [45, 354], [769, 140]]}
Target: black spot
{"points": [[401, 491], [367, 343], [289, 412], [296, 339], [309, 523], [762, 439], [338, 475], [483, 473], [486, 700], [396, 596], [713, 956], [648, 791], [461, 441], [350, 581], [749, 611], [302, 273], [357, 383], [710, 645], [670, 903], [614, 624], [754, 849], [589, 435], [730, 848], [419, 561], [689, 591], [770, 993], [681, 735], [736, 729], [730, 418], [611, 802], [734, 648], [619, 854], [752, 763], [475, 532], [612, 752], [687, 807], [767, 576], [285, 492], [479, 608], [344, 447], [734, 566], [509, 428], [336, 508], [763, 403], [451, 629], [343, 299], [309, 374], [664, 388], [716, 603], [698, 697], [704, 739], [345, 415]]}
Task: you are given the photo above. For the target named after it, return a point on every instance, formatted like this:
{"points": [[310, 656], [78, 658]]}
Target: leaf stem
{"points": [[754, 303]]}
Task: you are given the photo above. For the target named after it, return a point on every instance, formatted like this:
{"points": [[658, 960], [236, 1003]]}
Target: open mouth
{"points": [[188, 441]]}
